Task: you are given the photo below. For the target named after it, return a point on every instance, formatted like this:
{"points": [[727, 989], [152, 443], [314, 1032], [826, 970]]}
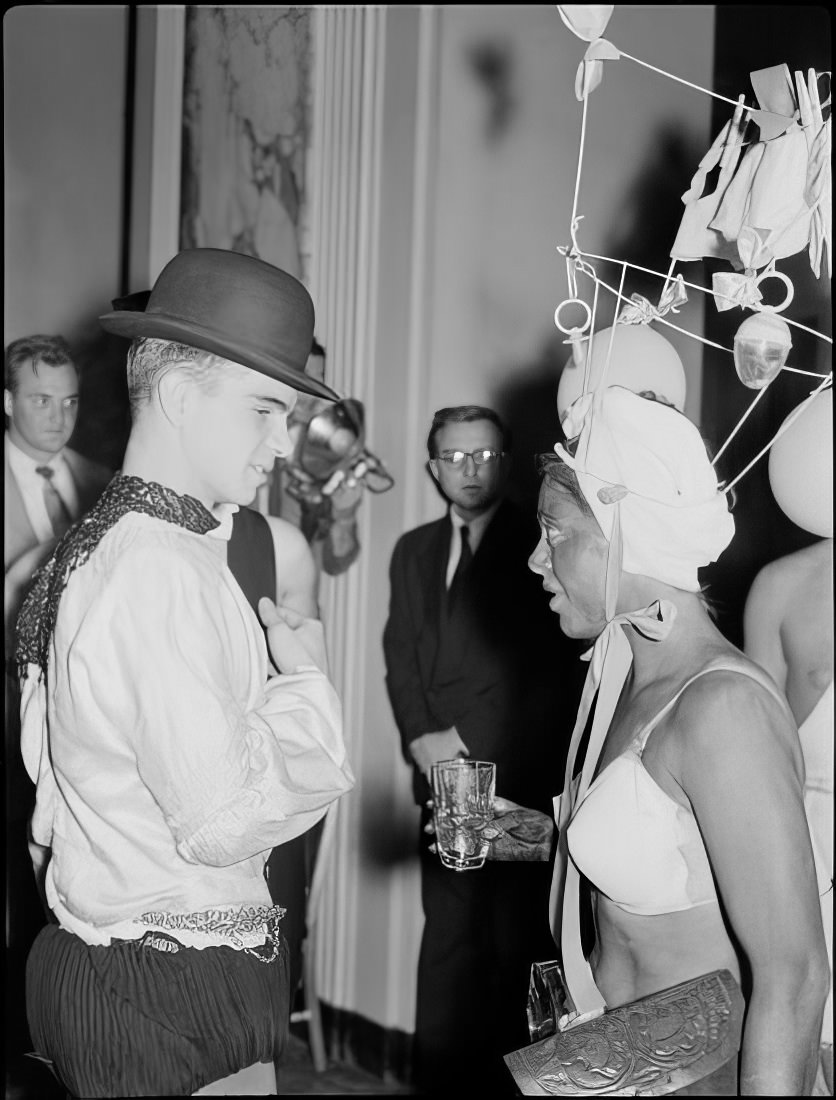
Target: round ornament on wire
{"points": [[761, 346], [782, 277], [801, 465], [581, 319], [642, 359], [573, 331]]}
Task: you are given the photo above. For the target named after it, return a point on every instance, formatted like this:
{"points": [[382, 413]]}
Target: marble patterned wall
{"points": [[246, 123]]}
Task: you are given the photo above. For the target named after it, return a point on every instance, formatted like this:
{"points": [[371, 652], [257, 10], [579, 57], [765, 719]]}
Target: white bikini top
{"points": [[633, 842]]}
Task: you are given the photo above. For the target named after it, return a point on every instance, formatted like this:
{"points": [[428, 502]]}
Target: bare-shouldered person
{"points": [[788, 624], [296, 572], [788, 630], [692, 830]]}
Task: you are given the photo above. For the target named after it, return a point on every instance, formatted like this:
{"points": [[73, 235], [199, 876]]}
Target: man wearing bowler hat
{"points": [[170, 749]]}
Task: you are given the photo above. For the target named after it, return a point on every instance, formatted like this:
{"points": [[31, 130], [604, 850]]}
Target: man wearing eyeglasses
{"points": [[470, 671]]}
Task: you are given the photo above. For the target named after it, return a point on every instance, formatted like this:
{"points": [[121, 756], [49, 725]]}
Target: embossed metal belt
{"points": [[649, 1047]]}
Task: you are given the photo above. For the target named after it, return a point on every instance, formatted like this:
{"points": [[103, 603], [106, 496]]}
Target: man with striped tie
{"points": [[48, 485]]}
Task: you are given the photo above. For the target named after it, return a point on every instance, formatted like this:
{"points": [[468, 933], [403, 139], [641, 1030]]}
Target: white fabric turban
{"points": [[648, 461]]}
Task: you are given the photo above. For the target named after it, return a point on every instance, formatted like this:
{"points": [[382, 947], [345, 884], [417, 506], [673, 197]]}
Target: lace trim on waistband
{"points": [[239, 926]]}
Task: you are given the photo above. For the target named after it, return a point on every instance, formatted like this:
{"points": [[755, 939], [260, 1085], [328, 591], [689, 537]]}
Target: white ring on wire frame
{"points": [[785, 279], [574, 328]]}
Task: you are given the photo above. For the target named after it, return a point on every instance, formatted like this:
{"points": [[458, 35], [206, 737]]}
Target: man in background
{"points": [[47, 487], [47, 484], [473, 668], [788, 630]]}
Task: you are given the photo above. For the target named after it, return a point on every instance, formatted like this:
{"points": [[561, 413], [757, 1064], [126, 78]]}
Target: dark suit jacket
{"points": [[18, 537], [503, 678]]}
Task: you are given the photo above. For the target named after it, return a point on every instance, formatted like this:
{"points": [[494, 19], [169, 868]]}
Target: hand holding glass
{"points": [[463, 792]]}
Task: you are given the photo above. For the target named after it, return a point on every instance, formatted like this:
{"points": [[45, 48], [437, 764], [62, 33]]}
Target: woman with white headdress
{"points": [[687, 818]]}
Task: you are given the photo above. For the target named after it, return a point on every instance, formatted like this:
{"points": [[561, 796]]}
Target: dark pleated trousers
{"points": [[132, 1020]]}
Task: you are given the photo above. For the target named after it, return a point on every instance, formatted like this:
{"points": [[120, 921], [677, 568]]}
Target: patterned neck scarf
{"points": [[36, 622]]}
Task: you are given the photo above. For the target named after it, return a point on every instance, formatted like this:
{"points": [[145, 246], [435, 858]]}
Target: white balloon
{"points": [[801, 466], [641, 360]]}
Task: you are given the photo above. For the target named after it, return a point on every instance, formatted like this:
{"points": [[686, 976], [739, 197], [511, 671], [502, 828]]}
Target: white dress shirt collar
{"points": [[223, 513], [475, 527], [24, 469], [24, 465]]}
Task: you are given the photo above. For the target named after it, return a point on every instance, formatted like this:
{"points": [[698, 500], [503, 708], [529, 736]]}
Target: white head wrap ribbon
{"points": [[644, 471], [651, 460]]}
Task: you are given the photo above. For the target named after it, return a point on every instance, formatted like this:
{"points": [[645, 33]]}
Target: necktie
{"points": [[465, 558], [56, 509]]}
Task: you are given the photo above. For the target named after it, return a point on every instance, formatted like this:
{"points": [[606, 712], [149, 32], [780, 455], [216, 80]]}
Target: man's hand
{"points": [[429, 748], [294, 640], [345, 488], [517, 833]]}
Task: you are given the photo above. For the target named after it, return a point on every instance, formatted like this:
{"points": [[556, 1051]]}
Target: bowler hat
{"points": [[232, 305]]}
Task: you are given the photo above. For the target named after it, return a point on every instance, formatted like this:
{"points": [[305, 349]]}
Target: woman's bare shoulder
{"points": [[730, 704], [731, 711]]}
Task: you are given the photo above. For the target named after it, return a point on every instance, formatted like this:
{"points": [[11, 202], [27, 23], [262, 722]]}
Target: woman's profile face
{"points": [[571, 557]]}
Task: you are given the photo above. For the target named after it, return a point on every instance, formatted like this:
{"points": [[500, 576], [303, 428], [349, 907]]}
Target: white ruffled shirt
{"points": [[168, 762]]}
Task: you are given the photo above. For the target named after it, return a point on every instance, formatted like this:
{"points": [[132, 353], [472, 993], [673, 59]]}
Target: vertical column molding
{"points": [[403, 928], [420, 313], [372, 167], [158, 124], [348, 47]]}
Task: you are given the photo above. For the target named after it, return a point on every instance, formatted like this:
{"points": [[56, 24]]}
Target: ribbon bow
{"points": [[732, 290], [641, 312], [653, 622]]}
